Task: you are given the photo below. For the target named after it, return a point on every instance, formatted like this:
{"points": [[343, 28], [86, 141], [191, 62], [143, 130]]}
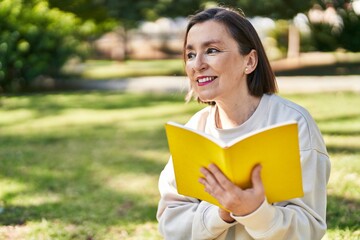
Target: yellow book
{"points": [[276, 148]]}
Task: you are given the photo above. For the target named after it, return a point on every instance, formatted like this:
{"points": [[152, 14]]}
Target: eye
{"points": [[212, 51], [190, 55]]}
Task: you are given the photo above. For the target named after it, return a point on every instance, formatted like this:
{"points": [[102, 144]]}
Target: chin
{"points": [[206, 96], [206, 99]]}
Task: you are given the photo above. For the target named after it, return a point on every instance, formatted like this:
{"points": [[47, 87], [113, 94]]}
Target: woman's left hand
{"points": [[238, 201]]}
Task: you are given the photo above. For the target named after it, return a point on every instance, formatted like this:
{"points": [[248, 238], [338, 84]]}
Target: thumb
{"points": [[256, 178]]}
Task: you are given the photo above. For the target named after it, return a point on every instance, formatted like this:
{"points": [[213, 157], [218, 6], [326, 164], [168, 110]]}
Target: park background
{"points": [[78, 162]]}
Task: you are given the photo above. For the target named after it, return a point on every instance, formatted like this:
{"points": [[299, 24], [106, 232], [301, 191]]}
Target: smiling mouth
{"points": [[205, 80]]}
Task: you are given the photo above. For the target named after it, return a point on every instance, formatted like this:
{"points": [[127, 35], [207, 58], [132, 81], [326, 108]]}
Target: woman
{"points": [[228, 69]]}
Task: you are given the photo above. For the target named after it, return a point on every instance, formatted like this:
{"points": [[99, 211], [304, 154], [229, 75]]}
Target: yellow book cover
{"points": [[275, 147]]}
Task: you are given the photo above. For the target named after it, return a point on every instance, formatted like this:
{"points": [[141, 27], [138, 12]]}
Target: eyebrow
{"points": [[204, 44]]}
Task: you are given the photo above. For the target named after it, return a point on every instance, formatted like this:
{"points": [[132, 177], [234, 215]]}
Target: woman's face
{"points": [[214, 64]]}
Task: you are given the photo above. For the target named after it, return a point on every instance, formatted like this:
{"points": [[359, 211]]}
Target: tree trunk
{"points": [[294, 42], [125, 42]]}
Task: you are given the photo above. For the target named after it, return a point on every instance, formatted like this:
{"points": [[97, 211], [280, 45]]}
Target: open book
{"points": [[276, 148]]}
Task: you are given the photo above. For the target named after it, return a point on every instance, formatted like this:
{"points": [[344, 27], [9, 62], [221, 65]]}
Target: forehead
{"points": [[209, 31]]}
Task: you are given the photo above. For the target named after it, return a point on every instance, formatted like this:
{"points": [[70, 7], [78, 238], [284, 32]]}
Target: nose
{"points": [[200, 63]]}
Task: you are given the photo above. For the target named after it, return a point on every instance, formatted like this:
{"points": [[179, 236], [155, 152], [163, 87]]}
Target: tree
{"points": [[84, 9], [276, 9], [88, 10], [35, 40], [130, 13], [125, 13], [345, 35], [350, 34]]}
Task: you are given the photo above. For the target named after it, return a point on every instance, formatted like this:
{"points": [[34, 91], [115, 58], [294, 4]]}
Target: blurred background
{"points": [[42, 41], [78, 162]]}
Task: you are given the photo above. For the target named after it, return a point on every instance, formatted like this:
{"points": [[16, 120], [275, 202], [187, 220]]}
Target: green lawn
{"points": [[104, 69], [85, 165]]}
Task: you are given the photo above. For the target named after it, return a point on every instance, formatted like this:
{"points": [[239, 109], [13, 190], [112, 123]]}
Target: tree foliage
{"points": [[127, 12], [84, 9], [350, 35], [276, 9], [327, 38], [38, 36], [35, 40]]}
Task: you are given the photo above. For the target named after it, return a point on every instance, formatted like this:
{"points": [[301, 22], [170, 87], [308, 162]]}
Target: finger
{"points": [[212, 186], [223, 181], [204, 171], [202, 181], [208, 180], [256, 178]]}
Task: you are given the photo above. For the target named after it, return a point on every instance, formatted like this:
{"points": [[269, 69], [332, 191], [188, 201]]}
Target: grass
{"points": [[85, 165], [100, 69]]}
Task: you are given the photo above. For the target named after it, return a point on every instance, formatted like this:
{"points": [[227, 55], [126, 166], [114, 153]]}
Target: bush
{"points": [[323, 36], [327, 38], [350, 35], [36, 41]]}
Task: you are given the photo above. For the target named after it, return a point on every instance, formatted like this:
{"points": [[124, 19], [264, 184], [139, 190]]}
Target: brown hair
{"points": [[262, 79]]}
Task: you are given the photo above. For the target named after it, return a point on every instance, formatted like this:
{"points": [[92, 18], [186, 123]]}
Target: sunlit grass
{"points": [[83, 165], [86, 165], [338, 117]]}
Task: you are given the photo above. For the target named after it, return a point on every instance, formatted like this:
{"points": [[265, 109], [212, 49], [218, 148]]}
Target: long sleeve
{"points": [[186, 218]]}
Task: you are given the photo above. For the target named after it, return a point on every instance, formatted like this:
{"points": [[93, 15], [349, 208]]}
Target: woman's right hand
{"points": [[239, 202]]}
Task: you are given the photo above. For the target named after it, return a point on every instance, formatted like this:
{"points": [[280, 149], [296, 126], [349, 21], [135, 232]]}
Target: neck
{"points": [[236, 113]]}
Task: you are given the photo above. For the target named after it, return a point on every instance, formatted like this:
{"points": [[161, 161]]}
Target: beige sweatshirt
{"points": [[186, 218]]}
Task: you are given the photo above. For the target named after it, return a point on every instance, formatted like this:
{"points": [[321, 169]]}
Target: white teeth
{"points": [[205, 79]]}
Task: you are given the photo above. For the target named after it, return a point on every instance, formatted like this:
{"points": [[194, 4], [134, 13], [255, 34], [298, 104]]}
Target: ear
{"points": [[251, 61]]}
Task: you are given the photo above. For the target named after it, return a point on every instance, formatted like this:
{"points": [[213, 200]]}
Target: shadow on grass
{"points": [[343, 213], [335, 149], [341, 132], [341, 118], [70, 174], [69, 170], [53, 103], [333, 70], [118, 210]]}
